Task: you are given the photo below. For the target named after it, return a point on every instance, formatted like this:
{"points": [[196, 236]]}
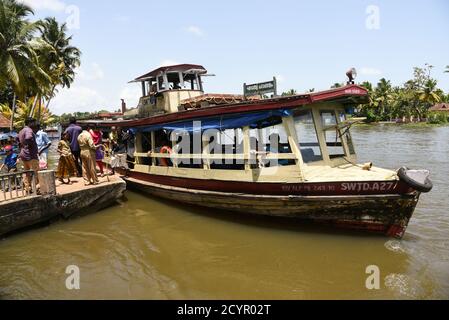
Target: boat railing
{"points": [[209, 156], [13, 185]]}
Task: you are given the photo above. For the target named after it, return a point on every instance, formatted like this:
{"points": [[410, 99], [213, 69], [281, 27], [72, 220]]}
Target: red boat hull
{"points": [[350, 206]]}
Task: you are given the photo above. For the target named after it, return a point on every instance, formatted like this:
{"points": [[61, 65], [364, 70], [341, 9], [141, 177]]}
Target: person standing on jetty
{"points": [[114, 139], [88, 149], [29, 151], [97, 136], [43, 145], [74, 131], [66, 165]]}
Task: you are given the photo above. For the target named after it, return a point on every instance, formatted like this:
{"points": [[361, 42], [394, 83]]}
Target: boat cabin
{"points": [[250, 140], [164, 88]]}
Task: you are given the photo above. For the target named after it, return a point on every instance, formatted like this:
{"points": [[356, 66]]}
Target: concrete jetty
{"points": [[70, 200]]}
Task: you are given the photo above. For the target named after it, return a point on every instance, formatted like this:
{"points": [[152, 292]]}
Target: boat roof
{"points": [[4, 122], [174, 68], [351, 94]]}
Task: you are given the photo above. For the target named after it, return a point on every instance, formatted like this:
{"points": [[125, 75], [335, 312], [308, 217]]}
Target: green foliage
{"points": [[290, 92], [438, 117], [413, 99], [35, 57]]}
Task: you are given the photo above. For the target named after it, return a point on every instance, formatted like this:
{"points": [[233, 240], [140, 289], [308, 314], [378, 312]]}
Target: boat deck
{"points": [[347, 172]]}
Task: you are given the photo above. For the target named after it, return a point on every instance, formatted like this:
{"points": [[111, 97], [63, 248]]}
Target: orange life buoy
{"points": [[168, 150]]}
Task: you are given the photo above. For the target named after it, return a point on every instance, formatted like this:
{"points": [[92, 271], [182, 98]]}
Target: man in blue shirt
{"points": [[43, 145]]}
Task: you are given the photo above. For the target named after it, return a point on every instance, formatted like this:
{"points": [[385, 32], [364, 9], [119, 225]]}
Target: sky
{"points": [[305, 44]]}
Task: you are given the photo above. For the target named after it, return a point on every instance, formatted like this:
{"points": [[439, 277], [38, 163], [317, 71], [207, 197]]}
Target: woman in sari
{"points": [[66, 165]]}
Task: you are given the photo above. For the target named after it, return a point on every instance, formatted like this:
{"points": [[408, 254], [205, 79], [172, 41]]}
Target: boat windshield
{"points": [[332, 134], [307, 136], [346, 134]]}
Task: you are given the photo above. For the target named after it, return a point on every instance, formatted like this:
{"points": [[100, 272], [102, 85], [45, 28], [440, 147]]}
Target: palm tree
{"points": [[290, 92], [383, 96], [336, 85], [429, 94], [19, 65], [367, 85], [6, 111], [59, 58], [23, 111]]}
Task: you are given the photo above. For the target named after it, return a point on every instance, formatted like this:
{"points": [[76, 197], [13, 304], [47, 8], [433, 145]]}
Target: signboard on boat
{"points": [[260, 88]]}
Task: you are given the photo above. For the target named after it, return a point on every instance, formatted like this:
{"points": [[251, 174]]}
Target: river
{"points": [[145, 248]]}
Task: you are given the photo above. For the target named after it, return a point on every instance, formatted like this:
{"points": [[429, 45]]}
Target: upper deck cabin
{"points": [[163, 89]]}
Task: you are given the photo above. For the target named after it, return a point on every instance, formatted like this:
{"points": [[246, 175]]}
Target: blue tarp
{"points": [[253, 120]]}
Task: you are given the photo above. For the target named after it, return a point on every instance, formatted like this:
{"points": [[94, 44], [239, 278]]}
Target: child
{"points": [[66, 165], [10, 162], [9, 165], [97, 136]]}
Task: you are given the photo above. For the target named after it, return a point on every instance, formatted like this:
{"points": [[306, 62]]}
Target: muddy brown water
{"points": [[145, 248]]}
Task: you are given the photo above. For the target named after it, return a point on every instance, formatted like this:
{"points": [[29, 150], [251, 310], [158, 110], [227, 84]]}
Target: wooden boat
{"points": [[54, 132], [289, 156]]}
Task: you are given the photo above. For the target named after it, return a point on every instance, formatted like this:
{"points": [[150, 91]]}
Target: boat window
{"points": [[275, 140], [174, 81], [307, 136], [328, 118], [332, 134], [348, 137], [163, 145], [346, 134], [161, 83], [225, 144], [342, 116]]}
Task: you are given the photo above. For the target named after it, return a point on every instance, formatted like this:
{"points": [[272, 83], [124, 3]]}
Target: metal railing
{"points": [[14, 185]]}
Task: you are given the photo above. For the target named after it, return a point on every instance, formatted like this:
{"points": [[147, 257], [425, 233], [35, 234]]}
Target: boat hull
{"points": [[387, 214]]}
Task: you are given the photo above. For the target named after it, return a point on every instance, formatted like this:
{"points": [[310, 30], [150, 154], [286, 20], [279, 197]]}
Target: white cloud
{"points": [[51, 5], [131, 94], [195, 31], [93, 72], [367, 71], [77, 99], [280, 78]]}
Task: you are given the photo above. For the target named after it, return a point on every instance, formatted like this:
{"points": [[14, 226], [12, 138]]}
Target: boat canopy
{"points": [[253, 120], [187, 69]]}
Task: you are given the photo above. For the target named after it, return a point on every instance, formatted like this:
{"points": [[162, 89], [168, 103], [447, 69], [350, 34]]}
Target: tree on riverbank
{"points": [[35, 58], [412, 100]]}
